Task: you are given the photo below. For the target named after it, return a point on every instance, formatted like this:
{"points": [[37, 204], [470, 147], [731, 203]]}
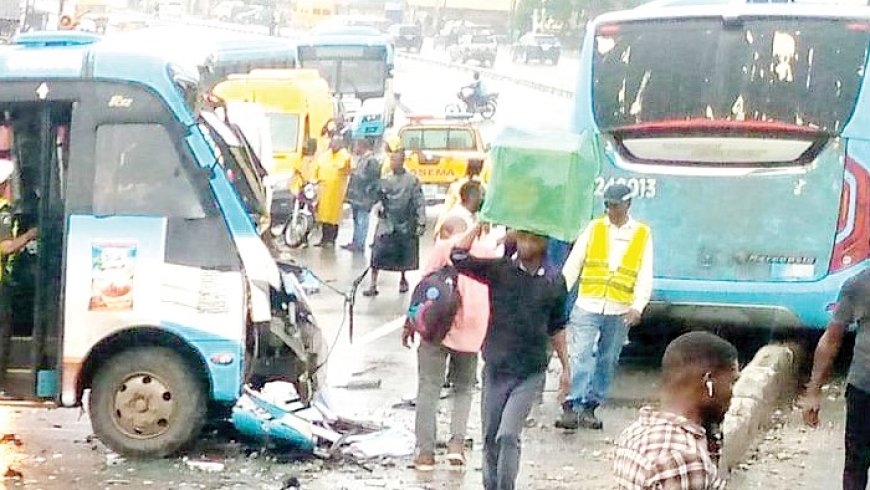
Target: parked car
{"points": [[453, 30], [480, 47], [254, 14], [538, 47], [407, 36]]}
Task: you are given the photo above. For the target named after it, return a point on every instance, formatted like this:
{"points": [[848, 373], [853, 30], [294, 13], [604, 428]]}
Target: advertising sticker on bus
{"points": [[113, 267]]}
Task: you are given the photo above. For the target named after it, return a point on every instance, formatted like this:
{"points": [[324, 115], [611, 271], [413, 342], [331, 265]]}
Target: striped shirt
{"points": [[663, 451]]}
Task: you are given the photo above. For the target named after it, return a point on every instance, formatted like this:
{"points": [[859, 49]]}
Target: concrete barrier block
{"points": [[763, 384], [780, 358], [736, 441], [758, 383], [745, 413]]}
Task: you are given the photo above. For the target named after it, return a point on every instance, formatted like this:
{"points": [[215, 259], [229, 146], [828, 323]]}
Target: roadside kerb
{"points": [[491, 74], [765, 383]]}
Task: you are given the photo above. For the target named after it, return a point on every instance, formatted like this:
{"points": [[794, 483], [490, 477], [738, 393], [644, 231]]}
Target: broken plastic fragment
{"points": [[204, 465], [11, 438]]}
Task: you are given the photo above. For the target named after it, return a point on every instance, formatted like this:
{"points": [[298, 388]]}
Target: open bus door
{"points": [[35, 136]]}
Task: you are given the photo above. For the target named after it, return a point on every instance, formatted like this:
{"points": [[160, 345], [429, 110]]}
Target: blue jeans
{"points": [[594, 344], [360, 227], [557, 254]]}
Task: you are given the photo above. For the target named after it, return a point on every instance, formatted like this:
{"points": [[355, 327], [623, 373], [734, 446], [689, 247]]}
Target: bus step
{"points": [[20, 384], [20, 351]]}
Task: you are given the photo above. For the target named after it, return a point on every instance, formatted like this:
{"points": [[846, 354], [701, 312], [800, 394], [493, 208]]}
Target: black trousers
{"points": [[330, 233], [857, 439]]}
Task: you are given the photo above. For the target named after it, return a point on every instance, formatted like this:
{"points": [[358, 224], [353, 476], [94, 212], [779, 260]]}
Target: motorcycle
{"points": [[301, 222], [485, 107]]}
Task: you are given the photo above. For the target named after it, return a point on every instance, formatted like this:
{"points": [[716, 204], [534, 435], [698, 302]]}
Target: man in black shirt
{"points": [[527, 312], [853, 306]]}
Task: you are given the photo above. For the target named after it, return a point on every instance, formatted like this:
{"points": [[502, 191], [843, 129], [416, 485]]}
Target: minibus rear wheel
{"points": [[147, 402]]}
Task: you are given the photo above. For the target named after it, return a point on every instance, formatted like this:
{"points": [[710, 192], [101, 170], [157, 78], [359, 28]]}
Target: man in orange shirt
{"points": [[460, 347]]}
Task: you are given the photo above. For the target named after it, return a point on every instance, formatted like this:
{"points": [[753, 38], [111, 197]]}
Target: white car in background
{"points": [[170, 9]]}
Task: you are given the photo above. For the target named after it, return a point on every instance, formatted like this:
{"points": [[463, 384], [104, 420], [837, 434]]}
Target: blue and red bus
{"points": [[744, 131]]}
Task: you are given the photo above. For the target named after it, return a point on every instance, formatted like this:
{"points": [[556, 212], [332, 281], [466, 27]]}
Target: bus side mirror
{"points": [[310, 147]]}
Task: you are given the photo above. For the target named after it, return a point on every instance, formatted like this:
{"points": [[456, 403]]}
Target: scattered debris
{"points": [[12, 474], [117, 482], [204, 465], [410, 402], [113, 458], [389, 443], [7, 438], [362, 385], [291, 483]]}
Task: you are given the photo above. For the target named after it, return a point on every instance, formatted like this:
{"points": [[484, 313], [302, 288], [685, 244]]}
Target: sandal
{"points": [[370, 293], [403, 287]]}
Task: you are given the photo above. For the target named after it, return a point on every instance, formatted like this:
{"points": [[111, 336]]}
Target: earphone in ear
{"points": [[708, 382]]}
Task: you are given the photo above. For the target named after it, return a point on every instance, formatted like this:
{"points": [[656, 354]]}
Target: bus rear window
{"points": [[285, 131], [802, 72], [438, 139]]}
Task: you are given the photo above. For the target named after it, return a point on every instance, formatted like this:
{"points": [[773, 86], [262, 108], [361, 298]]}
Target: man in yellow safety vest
{"points": [[613, 262], [11, 244]]}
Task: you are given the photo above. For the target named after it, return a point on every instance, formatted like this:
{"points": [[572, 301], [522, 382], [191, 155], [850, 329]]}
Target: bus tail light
{"points": [[852, 244], [609, 30]]}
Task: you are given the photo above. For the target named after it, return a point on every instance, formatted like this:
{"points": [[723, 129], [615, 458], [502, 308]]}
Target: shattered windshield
{"points": [[804, 72]]}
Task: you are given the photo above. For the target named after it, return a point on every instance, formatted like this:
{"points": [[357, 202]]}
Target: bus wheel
{"points": [[147, 402]]}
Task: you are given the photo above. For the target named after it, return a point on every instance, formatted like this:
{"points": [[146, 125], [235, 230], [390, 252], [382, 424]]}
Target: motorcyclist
{"points": [[476, 97]]}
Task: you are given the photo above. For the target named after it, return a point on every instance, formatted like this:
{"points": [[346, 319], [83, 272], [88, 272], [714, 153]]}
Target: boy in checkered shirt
{"points": [[667, 449]]}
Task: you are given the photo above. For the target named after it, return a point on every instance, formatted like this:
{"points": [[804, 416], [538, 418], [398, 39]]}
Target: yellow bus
{"points": [[298, 105]]}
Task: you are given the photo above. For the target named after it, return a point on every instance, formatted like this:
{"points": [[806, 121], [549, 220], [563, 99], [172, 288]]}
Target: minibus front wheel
{"points": [[147, 402]]}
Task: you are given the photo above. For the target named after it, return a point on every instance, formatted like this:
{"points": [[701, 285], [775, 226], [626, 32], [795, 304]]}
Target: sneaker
{"points": [[588, 420], [570, 420], [456, 453], [424, 462]]}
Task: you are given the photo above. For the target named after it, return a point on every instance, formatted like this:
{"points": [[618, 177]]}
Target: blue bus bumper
{"points": [[761, 304]]}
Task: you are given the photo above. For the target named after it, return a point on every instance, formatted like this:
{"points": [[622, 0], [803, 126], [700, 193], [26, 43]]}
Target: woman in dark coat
{"points": [[402, 222]]}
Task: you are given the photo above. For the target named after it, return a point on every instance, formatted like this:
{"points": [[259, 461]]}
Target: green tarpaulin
{"points": [[542, 181]]}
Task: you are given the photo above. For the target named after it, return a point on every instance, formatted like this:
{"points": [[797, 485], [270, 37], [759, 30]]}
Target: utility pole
{"points": [[512, 20]]}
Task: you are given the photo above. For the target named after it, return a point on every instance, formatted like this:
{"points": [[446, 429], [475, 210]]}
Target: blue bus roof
{"points": [[670, 9], [47, 56], [350, 38], [211, 47], [345, 38], [56, 38]]}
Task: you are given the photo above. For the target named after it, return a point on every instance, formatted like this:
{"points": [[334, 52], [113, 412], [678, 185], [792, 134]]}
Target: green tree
{"points": [[568, 13], [523, 13]]}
